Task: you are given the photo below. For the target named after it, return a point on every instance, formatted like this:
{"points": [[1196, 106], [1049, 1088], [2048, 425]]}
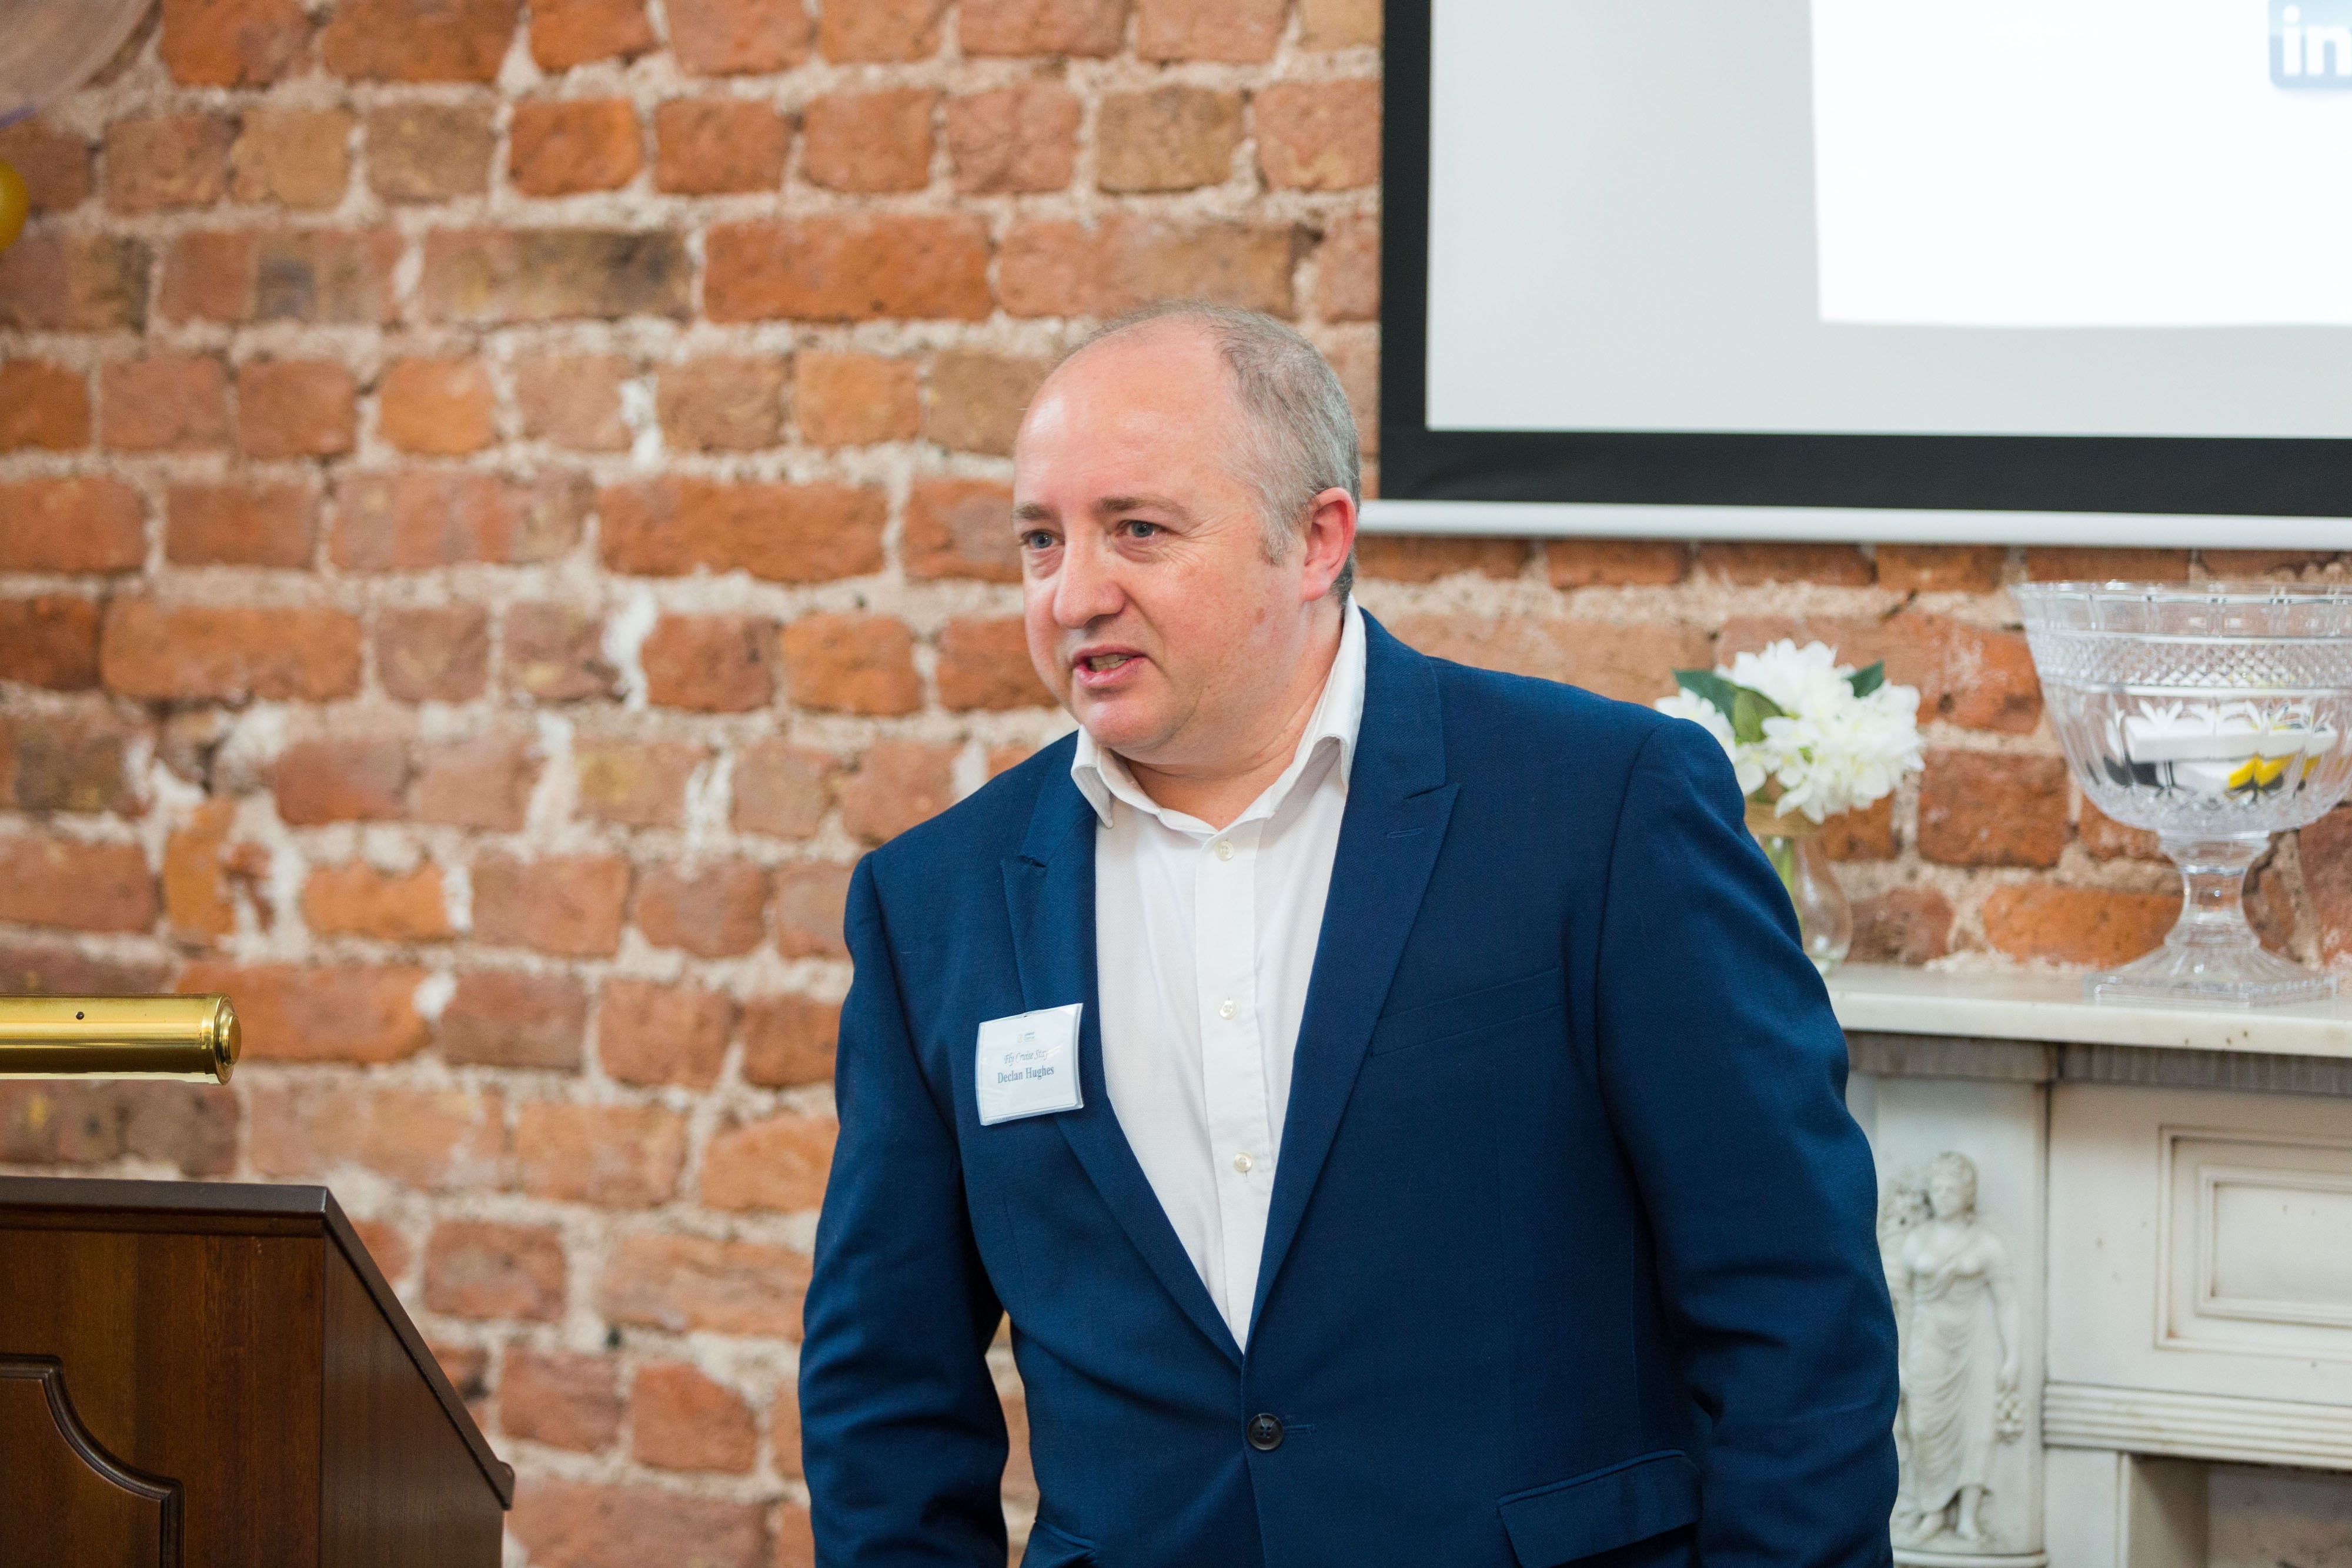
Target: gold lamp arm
{"points": [[188, 1038]]}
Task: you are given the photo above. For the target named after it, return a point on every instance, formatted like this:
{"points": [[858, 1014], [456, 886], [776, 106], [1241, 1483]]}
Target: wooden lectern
{"points": [[217, 1377]]}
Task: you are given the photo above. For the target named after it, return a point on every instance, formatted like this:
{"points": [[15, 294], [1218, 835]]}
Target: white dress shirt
{"points": [[1205, 941]]}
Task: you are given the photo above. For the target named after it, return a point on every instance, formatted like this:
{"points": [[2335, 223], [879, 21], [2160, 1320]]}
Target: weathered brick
{"points": [[429, 151], [43, 406], [960, 527], [165, 653], [1318, 136], [795, 1531], [788, 1040], [706, 146], [75, 884], [2326, 848], [1169, 139], [651, 1033], [681, 1283], [566, 145], [1015, 140], [1752, 562], [1005, 758], [1237, 30], [573, 401], [92, 1123], [1984, 808], [1041, 27], [1062, 268], [467, 1367], [254, 523], [975, 402], [567, 33], [163, 404], [812, 899], [233, 43], [2231, 563], [2107, 839], [778, 1163], [722, 402], [486, 277], [45, 969], [296, 408], [555, 653], [782, 790], [712, 911], [75, 283], [416, 519], [1631, 662], [443, 406], [323, 276], [503, 1018], [1338, 24], [852, 663], [70, 763], [1865, 834], [419, 40], [868, 141], [851, 400], [563, 1400], [439, 1140], [1347, 269], [566, 904], [618, 1156], [896, 784], [855, 267], [634, 783], [166, 161], [76, 525], [50, 640], [2077, 925], [588, 1524], [681, 1420], [733, 37], [2073, 564], [295, 157], [1940, 568], [484, 781], [872, 30], [783, 533], [475, 1270], [356, 899], [341, 781], [55, 164], [436, 653], [984, 663], [198, 874], [1405, 558], [293, 1012]]}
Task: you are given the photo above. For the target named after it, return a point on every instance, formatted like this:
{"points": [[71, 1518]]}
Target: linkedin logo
{"points": [[2311, 43]]}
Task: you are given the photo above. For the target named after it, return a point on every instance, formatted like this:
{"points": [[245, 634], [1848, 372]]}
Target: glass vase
{"points": [[1824, 918]]}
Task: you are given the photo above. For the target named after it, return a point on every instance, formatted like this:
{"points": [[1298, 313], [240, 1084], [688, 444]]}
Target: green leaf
{"points": [[1709, 687], [1749, 709], [1865, 682]]}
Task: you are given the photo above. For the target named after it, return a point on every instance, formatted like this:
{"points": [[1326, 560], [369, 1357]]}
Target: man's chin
{"points": [[1119, 722]]}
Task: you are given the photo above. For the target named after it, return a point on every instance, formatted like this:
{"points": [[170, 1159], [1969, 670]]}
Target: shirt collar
{"points": [[1103, 777]]}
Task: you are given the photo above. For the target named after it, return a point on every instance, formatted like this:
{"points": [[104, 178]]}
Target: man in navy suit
{"points": [[1388, 1097]]}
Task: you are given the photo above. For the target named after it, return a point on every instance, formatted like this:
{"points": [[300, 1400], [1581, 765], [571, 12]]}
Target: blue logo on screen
{"points": [[2311, 43]]}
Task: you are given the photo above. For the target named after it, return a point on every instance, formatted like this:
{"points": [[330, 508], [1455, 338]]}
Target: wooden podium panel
{"points": [[202, 1375]]}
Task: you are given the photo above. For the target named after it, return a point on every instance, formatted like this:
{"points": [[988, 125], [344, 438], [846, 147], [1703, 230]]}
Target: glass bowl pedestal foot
{"points": [[2213, 956]]}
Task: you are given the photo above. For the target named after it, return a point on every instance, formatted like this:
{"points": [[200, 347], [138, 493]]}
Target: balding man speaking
{"points": [[1388, 1097]]}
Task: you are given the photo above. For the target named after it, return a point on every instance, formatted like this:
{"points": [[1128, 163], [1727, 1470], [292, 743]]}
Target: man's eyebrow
{"points": [[1031, 512], [1139, 503]]}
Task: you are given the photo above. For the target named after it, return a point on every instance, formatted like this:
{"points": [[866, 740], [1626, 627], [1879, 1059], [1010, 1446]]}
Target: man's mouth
{"points": [[1101, 663]]}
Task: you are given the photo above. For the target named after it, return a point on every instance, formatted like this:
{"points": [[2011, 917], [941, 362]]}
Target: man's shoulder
{"points": [[1488, 710], [980, 829]]}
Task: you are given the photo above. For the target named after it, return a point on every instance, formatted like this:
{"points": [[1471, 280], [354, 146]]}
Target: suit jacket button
{"points": [[1264, 1433]]}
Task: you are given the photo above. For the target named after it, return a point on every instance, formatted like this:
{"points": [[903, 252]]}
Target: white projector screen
{"points": [[2072, 255]]}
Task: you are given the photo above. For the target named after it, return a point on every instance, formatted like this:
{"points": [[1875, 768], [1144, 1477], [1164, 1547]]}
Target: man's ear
{"points": [[1330, 537]]}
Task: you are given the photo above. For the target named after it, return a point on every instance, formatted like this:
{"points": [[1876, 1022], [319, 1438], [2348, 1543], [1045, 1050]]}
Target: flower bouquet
{"points": [[1809, 738]]}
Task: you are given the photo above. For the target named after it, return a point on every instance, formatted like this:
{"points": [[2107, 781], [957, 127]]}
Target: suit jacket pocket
{"points": [[1599, 1511], [1471, 1011], [1049, 1548]]}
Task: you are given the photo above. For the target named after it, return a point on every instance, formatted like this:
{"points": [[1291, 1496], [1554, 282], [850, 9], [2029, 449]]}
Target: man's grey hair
{"points": [[1301, 433]]}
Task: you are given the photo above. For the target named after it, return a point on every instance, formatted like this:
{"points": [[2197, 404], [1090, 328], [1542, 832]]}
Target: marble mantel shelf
{"points": [[2043, 1006]]}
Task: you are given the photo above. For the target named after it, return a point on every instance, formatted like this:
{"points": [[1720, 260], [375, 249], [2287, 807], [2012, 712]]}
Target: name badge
{"points": [[1028, 1064]]}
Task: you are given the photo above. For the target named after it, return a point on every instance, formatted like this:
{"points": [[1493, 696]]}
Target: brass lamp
{"points": [[193, 1038]]}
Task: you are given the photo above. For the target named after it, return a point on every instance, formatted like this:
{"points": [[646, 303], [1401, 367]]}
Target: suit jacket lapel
{"points": [[1398, 805], [1049, 890]]}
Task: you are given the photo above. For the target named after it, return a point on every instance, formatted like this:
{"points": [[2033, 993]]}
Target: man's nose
{"points": [[1085, 589]]}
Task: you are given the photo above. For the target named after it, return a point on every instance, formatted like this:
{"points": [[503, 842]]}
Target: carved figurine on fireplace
{"points": [[1957, 1308]]}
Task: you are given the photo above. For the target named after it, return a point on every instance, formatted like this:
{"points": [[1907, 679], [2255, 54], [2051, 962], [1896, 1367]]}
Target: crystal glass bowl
{"points": [[2212, 715]]}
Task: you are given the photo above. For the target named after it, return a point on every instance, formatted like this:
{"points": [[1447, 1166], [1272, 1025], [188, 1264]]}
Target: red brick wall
{"points": [[497, 509]]}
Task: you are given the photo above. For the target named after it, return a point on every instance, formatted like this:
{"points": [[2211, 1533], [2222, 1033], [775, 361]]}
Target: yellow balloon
{"points": [[15, 202]]}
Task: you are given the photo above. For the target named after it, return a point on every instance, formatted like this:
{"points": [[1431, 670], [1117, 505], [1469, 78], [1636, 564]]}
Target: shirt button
{"points": [[1241, 1164], [1228, 1008], [1224, 849]]}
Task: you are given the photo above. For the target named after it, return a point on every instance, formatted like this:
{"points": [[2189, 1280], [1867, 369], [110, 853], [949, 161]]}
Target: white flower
{"points": [[1829, 750], [1703, 714]]}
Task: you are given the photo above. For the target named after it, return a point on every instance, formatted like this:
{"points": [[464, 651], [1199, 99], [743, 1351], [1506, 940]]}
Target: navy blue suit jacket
{"points": [[1571, 1252]]}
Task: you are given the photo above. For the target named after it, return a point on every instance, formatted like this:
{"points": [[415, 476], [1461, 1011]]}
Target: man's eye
{"points": [[1137, 528], [1036, 538]]}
